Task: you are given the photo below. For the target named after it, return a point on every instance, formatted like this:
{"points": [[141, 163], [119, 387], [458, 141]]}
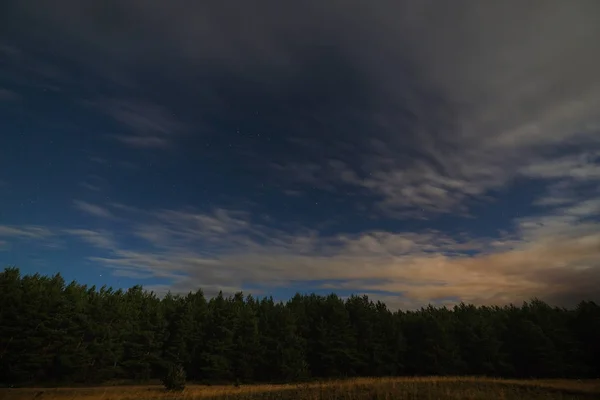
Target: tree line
{"points": [[59, 333]]}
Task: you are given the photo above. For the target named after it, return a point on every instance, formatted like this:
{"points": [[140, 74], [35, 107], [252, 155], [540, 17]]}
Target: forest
{"points": [[53, 332]]}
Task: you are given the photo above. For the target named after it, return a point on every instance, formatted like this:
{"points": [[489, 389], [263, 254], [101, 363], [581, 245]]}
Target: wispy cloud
{"points": [[581, 167], [100, 239], [90, 186], [145, 124], [28, 231], [491, 101], [457, 101], [143, 141], [114, 163], [10, 234], [94, 183], [554, 256], [92, 209], [8, 95]]}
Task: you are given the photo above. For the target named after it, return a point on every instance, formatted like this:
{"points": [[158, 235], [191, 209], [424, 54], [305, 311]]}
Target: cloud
{"points": [[143, 142], [27, 232], [99, 239], [8, 95], [92, 209], [583, 166], [128, 165], [442, 104], [511, 98], [30, 70], [554, 256], [94, 183], [424, 109], [148, 125], [90, 186], [10, 234]]}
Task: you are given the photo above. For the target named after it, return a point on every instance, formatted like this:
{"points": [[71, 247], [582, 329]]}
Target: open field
{"points": [[364, 388]]}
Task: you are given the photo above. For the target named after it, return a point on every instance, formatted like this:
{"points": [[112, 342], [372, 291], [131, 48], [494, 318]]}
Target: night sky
{"points": [[418, 152]]}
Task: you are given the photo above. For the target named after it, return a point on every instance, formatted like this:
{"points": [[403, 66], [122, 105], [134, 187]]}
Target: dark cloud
{"points": [[8, 95], [417, 108]]}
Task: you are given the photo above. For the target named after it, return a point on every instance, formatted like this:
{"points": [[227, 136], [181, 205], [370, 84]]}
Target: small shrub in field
{"points": [[174, 380]]}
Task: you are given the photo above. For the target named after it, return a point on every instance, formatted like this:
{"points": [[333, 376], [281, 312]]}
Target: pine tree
{"points": [[245, 338], [217, 359], [62, 334]]}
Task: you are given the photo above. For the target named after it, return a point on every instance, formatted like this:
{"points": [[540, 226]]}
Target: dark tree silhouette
{"points": [[57, 333]]}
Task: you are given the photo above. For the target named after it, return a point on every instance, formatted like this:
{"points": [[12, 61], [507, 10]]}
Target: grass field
{"points": [[359, 389]]}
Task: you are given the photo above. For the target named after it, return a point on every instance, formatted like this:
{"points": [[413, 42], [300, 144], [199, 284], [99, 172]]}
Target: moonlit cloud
{"points": [[8, 95], [29, 232], [410, 111], [90, 186], [554, 257], [147, 125], [100, 239], [92, 209]]}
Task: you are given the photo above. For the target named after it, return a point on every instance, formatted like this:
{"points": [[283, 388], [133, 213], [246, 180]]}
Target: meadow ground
{"points": [[355, 389]]}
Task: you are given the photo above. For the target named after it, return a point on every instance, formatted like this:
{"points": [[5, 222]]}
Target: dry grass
{"points": [[356, 389]]}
